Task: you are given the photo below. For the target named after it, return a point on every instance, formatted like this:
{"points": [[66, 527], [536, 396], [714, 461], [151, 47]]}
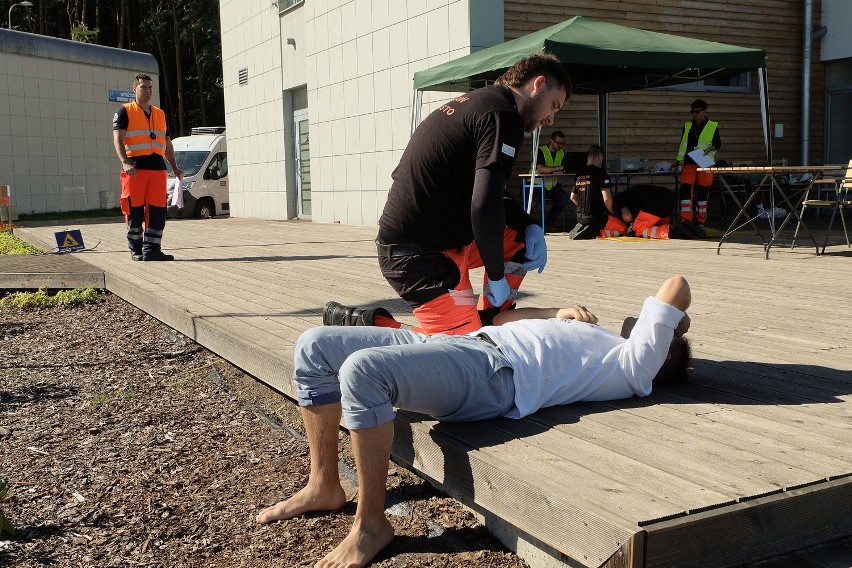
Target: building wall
{"points": [[251, 38], [836, 17], [361, 56], [646, 124], [56, 149], [356, 60]]}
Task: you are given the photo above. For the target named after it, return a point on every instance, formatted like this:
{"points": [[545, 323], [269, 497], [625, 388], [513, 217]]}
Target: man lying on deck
{"points": [[534, 358]]}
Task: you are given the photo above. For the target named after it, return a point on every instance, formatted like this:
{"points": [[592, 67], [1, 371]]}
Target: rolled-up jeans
{"points": [[372, 370]]}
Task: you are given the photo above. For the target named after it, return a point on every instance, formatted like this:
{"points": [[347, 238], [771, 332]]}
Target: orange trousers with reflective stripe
{"points": [[457, 311], [692, 193], [614, 227], [650, 226], [146, 188]]}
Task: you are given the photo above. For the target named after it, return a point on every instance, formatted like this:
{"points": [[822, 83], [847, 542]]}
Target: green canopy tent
{"points": [[602, 58]]}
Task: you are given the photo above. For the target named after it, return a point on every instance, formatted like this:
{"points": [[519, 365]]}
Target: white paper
{"points": [[699, 157], [177, 192]]}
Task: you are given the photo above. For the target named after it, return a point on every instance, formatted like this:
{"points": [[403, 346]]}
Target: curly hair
{"points": [[532, 66]]}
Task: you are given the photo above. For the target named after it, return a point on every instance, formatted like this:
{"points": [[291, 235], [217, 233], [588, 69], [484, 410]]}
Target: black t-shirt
{"points": [[654, 199], [429, 202], [588, 184], [149, 161]]}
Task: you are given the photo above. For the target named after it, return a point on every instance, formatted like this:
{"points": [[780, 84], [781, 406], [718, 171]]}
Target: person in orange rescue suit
{"points": [[700, 133], [647, 212], [593, 197], [447, 211], [141, 139]]}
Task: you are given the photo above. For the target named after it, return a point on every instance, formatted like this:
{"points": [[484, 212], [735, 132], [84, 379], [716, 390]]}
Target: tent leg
{"points": [[603, 119], [416, 105], [764, 112]]}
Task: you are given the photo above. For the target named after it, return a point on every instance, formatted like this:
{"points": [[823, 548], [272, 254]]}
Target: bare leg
{"points": [[371, 531], [675, 292], [323, 491]]}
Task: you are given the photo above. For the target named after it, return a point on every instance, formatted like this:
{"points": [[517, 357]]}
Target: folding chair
{"points": [[841, 201]]}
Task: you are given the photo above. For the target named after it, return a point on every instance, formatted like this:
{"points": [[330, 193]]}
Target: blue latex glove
{"points": [[536, 248], [497, 291]]}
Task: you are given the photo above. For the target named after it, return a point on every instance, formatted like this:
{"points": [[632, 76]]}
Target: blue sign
{"points": [[119, 96], [69, 241]]}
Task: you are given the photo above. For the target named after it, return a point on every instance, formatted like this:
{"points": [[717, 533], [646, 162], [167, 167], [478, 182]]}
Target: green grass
{"points": [[104, 398], [10, 244], [99, 399], [60, 216], [41, 299]]}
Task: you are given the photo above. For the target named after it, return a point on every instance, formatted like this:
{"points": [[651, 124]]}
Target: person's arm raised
{"points": [[579, 313]]}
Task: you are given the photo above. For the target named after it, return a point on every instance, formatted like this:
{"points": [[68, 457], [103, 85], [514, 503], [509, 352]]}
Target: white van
{"points": [[203, 157]]}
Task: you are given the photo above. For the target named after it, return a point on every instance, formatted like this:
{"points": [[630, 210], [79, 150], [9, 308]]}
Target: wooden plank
{"points": [[250, 300], [754, 529], [458, 470]]}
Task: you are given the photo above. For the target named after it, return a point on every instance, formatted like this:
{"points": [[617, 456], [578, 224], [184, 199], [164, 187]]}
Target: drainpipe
{"points": [[806, 81]]}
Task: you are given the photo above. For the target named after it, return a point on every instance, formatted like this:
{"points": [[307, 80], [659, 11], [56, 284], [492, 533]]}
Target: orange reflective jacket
{"points": [[138, 141]]}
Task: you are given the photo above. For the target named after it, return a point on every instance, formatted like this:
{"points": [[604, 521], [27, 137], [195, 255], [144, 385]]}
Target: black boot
{"points": [[695, 229], [677, 230], [335, 313]]}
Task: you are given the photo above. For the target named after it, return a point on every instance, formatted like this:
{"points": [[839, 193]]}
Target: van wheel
{"points": [[205, 208]]}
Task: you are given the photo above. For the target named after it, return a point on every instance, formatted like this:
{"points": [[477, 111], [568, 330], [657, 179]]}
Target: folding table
{"points": [[771, 183]]}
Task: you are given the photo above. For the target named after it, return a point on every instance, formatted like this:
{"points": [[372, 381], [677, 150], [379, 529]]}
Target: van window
{"points": [[189, 162], [220, 164]]}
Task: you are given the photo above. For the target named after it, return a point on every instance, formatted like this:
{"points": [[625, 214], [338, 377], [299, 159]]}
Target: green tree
{"points": [[183, 35]]}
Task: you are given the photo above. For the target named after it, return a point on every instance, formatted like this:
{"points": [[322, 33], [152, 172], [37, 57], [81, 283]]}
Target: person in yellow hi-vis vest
{"points": [[142, 143], [700, 133], [550, 161]]}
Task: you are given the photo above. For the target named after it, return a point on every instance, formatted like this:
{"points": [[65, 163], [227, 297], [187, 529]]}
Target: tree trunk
{"points": [[198, 66], [166, 87], [42, 18], [178, 72]]}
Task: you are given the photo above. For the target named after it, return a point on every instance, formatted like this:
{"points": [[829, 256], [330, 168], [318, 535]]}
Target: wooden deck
{"points": [[750, 460]]}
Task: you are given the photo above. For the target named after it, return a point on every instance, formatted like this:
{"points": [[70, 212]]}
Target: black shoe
{"points": [[677, 230], [337, 314], [696, 230], [136, 256], [158, 256]]}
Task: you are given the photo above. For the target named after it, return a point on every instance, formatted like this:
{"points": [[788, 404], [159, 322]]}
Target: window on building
{"points": [[242, 76], [735, 84], [287, 4]]}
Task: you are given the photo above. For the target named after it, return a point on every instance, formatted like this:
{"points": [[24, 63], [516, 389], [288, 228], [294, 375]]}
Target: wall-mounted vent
{"points": [[242, 76]]}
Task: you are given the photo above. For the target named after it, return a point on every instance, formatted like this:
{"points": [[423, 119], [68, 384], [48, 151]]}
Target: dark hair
{"points": [[140, 77], [676, 368], [532, 66], [698, 103], [594, 151], [557, 134]]}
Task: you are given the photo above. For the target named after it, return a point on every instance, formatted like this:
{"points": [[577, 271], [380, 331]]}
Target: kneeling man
{"points": [[533, 358]]}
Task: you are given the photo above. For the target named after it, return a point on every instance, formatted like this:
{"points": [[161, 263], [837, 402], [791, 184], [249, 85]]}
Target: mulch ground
{"points": [[129, 445]]}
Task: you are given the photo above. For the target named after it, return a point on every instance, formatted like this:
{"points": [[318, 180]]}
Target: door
{"points": [[218, 173], [303, 164]]}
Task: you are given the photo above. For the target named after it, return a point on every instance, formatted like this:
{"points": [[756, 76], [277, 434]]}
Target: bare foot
{"points": [[306, 500], [359, 547]]}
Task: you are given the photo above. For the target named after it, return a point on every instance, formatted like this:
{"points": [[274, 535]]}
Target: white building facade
{"points": [[318, 96], [318, 93]]}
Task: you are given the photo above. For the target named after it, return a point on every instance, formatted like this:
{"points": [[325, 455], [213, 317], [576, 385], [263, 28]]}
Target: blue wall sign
{"points": [[119, 96]]}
